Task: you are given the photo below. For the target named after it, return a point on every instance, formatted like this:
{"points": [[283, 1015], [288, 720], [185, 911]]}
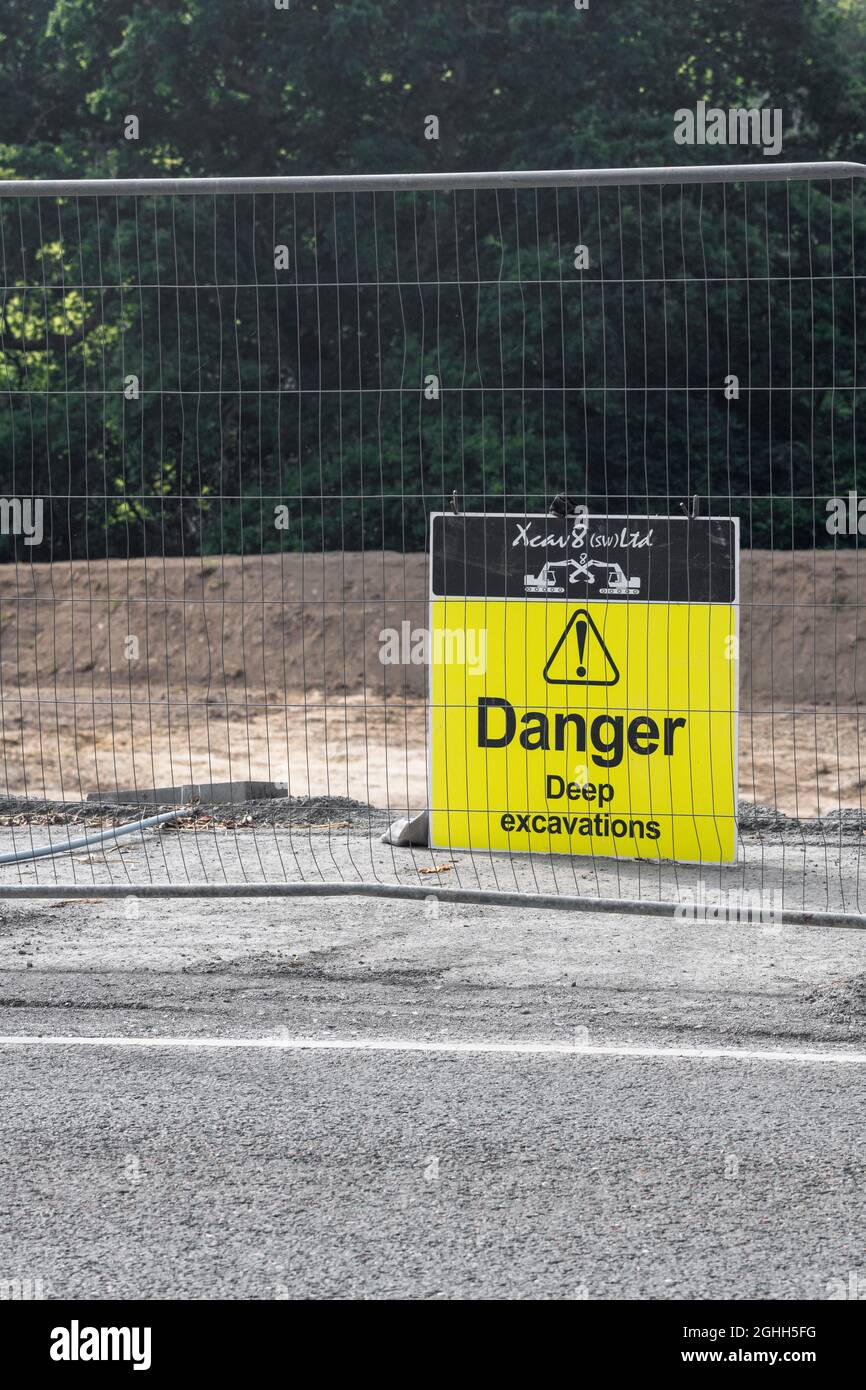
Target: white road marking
{"points": [[445, 1047]]}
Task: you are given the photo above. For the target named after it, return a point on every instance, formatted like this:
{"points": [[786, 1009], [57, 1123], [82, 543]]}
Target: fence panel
{"points": [[230, 409]]}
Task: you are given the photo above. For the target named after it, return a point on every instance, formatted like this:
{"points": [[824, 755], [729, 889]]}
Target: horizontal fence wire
{"points": [[230, 411]]}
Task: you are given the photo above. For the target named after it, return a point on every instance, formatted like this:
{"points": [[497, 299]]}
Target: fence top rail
{"points": [[442, 182]]}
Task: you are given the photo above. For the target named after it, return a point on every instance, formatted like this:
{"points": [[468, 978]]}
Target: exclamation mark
{"points": [[580, 629]]}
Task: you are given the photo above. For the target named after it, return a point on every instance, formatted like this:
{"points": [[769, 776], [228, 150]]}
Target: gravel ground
{"points": [[303, 811], [180, 1169], [289, 811]]}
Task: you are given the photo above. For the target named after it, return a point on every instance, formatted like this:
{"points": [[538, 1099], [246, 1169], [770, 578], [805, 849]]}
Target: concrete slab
{"points": [[209, 792]]}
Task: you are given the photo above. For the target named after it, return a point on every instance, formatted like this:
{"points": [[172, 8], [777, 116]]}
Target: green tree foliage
{"points": [[306, 385]]}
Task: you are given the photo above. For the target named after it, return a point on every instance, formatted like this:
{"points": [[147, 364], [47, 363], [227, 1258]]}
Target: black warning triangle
{"points": [[580, 657]]}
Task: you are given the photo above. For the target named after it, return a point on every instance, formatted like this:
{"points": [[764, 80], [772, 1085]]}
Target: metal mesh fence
{"points": [[229, 411]]}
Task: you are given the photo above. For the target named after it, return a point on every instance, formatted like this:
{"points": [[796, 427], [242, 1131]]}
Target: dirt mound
{"points": [[802, 630], [275, 623], [117, 674], [210, 626]]}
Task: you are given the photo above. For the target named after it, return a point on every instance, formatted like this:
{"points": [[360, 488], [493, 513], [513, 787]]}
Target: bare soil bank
{"points": [[230, 625], [268, 667]]}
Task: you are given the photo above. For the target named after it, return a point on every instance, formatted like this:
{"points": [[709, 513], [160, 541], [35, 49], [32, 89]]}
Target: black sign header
{"points": [[621, 559]]}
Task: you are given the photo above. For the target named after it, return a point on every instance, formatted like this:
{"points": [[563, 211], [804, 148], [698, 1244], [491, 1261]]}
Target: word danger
{"points": [[607, 735]]}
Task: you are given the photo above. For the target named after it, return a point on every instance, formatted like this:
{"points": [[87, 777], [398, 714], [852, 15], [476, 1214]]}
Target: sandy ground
{"points": [[806, 764], [336, 747], [268, 667]]}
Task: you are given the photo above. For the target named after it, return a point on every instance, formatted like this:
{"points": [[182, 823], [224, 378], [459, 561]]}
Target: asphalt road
{"points": [[181, 1168]]}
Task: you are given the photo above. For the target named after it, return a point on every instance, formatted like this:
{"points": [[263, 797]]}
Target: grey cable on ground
{"points": [[20, 856]]}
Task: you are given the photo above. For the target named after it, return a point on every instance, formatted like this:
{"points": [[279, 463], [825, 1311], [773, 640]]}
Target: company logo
{"points": [[77, 1343], [581, 536], [555, 576]]}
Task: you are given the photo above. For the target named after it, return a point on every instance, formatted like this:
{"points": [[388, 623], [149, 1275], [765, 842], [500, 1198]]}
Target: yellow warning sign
{"points": [[586, 725]]}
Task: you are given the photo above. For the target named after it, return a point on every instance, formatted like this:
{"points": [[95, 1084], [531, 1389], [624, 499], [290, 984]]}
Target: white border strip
{"points": [[444, 1047]]}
